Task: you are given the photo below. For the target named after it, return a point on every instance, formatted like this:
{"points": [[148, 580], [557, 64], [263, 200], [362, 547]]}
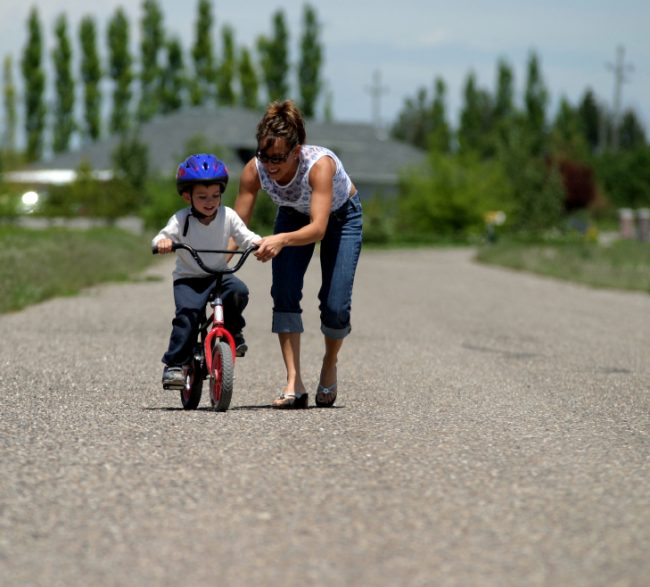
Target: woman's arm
{"points": [[321, 180], [249, 185]]}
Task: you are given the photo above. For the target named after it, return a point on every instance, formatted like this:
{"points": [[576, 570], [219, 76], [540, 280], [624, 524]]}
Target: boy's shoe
{"points": [[173, 378], [240, 344]]}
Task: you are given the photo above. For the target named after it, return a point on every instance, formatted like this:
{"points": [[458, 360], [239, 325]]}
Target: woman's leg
{"points": [[288, 270], [328, 370], [290, 346], [339, 254]]}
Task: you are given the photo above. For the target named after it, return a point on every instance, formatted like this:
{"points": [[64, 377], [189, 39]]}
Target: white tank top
{"points": [[297, 193]]}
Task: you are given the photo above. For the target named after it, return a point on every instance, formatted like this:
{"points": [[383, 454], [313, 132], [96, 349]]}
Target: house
{"points": [[373, 162]]}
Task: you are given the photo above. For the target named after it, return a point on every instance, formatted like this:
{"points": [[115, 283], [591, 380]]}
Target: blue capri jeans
{"points": [[339, 255]]}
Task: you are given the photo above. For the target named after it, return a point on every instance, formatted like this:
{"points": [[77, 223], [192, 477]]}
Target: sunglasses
{"points": [[274, 159]]}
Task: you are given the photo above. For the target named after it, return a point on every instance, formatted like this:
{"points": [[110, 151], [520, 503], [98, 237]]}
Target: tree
{"points": [[591, 119], [173, 82], [536, 101], [423, 123], [414, 122], [203, 55], [11, 119], [440, 136], [567, 138], [505, 111], [91, 75], [504, 99], [34, 83], [631, 133], [152, 40], [476, 120], [274, 58], [625, 176], [120, 70], [249, 84], [227, 68], [64, 123], [130, 159], [309, 67]]}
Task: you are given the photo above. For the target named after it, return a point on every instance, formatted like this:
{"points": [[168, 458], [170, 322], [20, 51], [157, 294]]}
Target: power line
{"points": [[620, 69], [376, 91]]}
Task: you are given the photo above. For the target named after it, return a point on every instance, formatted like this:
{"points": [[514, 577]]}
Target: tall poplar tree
{"points": [[173, 79], [91, 75], [274, 58], [591, 116], [120, 69], [631, 133], [203, 55], [505, 111], [64, 123], [475, 119], [536, 101], [249, 84], [440, 137], [152, 39], [567, 138], [414, 122], [34, 84], [227, 68], [504, 100], [11, 118], [309, 67]]}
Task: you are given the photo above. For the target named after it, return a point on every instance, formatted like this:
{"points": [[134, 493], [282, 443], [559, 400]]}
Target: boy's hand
{"points": [[164, 246]]}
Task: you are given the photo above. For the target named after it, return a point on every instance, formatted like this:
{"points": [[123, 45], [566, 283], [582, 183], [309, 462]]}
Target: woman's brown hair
{"points": [[282, 120]]}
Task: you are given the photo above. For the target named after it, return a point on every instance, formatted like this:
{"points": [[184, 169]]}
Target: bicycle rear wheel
{"points": [[191, 393], [221, 377]]}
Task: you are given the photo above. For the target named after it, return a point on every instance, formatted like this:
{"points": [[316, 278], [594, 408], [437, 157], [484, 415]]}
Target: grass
{"points": [[623, 264], [36, 265]]}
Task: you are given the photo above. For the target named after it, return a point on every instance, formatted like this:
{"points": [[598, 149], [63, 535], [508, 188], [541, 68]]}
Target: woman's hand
{"points": [[270, 246]]}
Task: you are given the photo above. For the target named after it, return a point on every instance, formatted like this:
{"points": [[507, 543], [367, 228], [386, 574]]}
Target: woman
{"points": [[316, 201]]}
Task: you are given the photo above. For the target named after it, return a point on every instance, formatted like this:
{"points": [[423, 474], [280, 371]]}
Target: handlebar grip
{"points": [[175, 246]]}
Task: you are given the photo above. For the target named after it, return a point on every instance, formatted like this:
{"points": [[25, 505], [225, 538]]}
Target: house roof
{"points": [[366, 156]]}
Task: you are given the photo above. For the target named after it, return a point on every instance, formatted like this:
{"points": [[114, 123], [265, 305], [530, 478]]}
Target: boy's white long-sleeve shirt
{"points": [[215, 235]]}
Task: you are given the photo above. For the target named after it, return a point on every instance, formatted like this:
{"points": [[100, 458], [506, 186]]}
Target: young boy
{"points": [[201, 180]]}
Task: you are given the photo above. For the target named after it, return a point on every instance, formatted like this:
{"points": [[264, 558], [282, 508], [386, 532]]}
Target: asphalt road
{"points": [[492, 428]]}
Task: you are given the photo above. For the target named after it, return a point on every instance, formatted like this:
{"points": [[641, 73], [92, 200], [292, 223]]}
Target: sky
{"points": [[408, 44]]}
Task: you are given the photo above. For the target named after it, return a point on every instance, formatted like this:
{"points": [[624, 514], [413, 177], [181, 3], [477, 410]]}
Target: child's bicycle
{"points": [[214, 354]]}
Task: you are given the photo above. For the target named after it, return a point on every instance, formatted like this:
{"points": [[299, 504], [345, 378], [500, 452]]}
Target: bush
{"points": [[377, 224], [625, 177], [451, 197], [91, 198]]}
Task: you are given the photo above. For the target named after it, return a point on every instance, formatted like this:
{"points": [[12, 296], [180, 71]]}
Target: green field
{"points": [[623, 264], [36, 265]]}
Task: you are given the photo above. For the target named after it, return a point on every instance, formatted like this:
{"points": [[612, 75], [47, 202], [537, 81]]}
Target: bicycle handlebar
{"points": [[195, 255]]}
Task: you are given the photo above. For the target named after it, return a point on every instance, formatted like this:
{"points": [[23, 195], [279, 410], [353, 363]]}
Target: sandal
{"points": [[325, 396], [291, 401]]}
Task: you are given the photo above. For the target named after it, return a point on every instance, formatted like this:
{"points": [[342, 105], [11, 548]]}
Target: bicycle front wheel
{"points": [[221, 377]]}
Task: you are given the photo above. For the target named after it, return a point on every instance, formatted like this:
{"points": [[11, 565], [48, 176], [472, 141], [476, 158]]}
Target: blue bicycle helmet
{"points": [[201, 168]]}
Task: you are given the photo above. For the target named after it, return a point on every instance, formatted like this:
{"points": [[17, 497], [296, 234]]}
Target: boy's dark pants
{"points": [[191, 297]]}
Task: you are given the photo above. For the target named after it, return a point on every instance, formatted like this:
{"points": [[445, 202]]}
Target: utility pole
{"points": [[376, 90], [620, 69]]}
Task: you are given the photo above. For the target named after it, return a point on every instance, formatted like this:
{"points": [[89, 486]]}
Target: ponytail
{"points": [[282, 120]]}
